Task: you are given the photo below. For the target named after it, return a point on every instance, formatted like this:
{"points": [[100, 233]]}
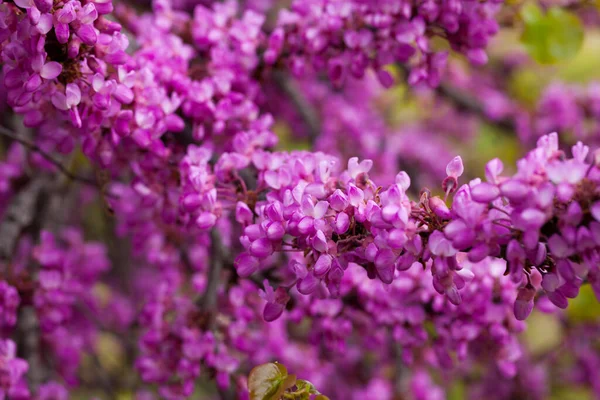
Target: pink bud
{"points": [[272, 311], [51, 70], [455, 167], [243, 214], [261, 248], [524, 302], [322, 265], [246, 265], [206, 220]]}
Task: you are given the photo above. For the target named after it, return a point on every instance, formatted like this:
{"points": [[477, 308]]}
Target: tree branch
{"points": [[307, 112], [34, 147], [29, 345], [18, 216], [208, 301], [465, 102]]}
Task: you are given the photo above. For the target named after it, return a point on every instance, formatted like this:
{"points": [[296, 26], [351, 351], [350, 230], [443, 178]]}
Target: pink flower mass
{"points": [[194, 193]]}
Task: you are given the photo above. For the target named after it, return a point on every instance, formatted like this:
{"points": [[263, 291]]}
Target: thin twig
{"points": [[307, 112], [465, 102], [208, 301], [29, 345], [468, 103], [32, 146], [19, 214]]}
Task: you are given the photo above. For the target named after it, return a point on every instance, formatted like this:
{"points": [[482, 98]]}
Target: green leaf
{"points": [[551, 37], [269, 381], [584, 307]]}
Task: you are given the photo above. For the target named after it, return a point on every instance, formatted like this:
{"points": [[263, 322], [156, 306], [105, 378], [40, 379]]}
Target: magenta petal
{"points": [[24, 3], [386, 273], [514, 190], [87, 34], [479, 252], [275, 231], [33, 83], [523, 308], [246, 265], [595, 210], [322, 265], [43, 5], [558, 299], [73, 94], [385, 78], [455, 167], [342, 223], [34, 15], [60, 101], [13, 78], [272, 311], [453, 295], [173, 121], [243, 214], [119, 57], [88, 14], [308, 284], [33, 118], [66, 14], [550, 282], [485, 192], [261, 248], [62, 32], [44, 24], [24, 98], [51, 70], [206, 220], [558, 247]]}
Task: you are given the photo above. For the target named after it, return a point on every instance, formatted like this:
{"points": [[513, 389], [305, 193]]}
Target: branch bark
{"points": [[463, 101], [18, 216], [208, 301], [34, 147], [29, 345], [306, 110]]}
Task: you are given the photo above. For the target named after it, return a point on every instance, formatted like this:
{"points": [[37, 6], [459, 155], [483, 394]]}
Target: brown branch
{"points": [[465, 102], [19, 215], [29, 345], [208, 301], [306, 110], [34, 147]]}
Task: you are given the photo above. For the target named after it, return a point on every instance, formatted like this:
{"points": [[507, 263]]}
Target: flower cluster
{"points": [[346, 38], [537, 220], [225, 252], [69, 269], [12, 371], [8, 305]]}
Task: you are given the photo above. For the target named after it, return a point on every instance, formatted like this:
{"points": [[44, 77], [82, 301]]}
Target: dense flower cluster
{"points": [[346, 38], [538, 219], [225, 252], [12, 371]]}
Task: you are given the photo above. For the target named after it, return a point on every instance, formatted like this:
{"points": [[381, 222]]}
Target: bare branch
{"points": [[307, 112], [465, 102], [32, 146], [18, 216], [29, 345], [208, 301]]}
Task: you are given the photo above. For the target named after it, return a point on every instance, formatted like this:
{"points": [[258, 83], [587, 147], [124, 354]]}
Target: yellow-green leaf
{"points": [[268, 381], [554, 36]]}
